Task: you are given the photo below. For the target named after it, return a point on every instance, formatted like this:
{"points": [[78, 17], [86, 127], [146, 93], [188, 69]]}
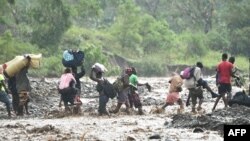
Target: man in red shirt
{"points": [[224, 71]]}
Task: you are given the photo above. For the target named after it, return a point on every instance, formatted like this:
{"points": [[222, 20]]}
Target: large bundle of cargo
{"points": [[19, 62], [72, 58]]}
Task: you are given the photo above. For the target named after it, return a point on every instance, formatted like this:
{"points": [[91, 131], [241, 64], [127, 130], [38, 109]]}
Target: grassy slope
{"points": [[175, 55], [210, 59]]}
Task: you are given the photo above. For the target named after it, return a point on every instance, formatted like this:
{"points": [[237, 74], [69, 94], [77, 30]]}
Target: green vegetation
{"points": [[148, 34]]}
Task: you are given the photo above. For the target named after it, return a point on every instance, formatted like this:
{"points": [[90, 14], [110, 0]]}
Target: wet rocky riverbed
{"points": [[48, 122]]}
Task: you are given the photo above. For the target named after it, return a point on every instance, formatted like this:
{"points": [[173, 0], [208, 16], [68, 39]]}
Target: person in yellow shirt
{"points": [[3, 92], [173, 96]]}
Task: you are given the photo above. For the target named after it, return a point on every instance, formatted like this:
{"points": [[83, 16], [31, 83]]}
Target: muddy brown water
{"points": [[48, 122]]}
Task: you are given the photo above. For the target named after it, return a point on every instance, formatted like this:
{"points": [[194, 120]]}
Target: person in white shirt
{"points": [[195, 85]]}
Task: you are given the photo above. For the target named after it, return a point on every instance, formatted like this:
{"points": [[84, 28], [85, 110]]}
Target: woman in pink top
{"points": [[66, 88]]}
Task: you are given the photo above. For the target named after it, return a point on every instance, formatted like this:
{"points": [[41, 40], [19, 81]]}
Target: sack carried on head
{"points": [[19, 62], [72, 58], [99, 67]]}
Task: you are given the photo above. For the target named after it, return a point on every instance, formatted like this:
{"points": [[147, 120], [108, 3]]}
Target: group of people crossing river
{"points": [[125, 86]]}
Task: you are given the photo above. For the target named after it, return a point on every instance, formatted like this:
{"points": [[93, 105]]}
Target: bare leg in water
{"points": [[218, 99], [118, 106], [188, 100], [181, 104]]}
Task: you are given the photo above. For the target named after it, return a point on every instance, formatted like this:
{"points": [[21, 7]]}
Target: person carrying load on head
{"points": [[77, 76], [18, 82], [96, 75], [23, 89], [4, 92], [72, 58]]}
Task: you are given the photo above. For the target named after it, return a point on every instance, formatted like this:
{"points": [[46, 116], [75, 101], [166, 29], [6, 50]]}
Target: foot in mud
{"points": [[104, 113], [127, 111], [140, 112], [194, 111], [77, 110], [213, 110], [107, 113], [180, 110], [157, 110], [19, 114], [67, 111], [199, 108], [113, 111], [214, 95], [133, 111], [160, 110]]}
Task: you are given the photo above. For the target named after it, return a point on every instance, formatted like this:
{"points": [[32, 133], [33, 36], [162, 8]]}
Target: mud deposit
{"points": [[48, 122]]}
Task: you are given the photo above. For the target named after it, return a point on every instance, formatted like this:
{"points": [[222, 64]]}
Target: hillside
{"points": [[150, 35]]}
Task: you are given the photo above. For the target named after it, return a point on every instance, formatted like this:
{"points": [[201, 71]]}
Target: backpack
{"points": [[188, 72], [109, 89], [120, 82]]}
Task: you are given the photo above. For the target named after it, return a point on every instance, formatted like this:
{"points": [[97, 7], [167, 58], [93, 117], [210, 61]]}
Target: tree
{"points": [[11, 47], [151, 6], [50, 19], [126, 27], [85, 13], [238, 23], [182, 14], [155, 33], [5, 13]]}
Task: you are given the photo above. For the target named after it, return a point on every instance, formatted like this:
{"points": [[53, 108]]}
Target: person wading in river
{"points": [[96, 75], [133, 96], [173, 94], [224, 71], [122, 87]]}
